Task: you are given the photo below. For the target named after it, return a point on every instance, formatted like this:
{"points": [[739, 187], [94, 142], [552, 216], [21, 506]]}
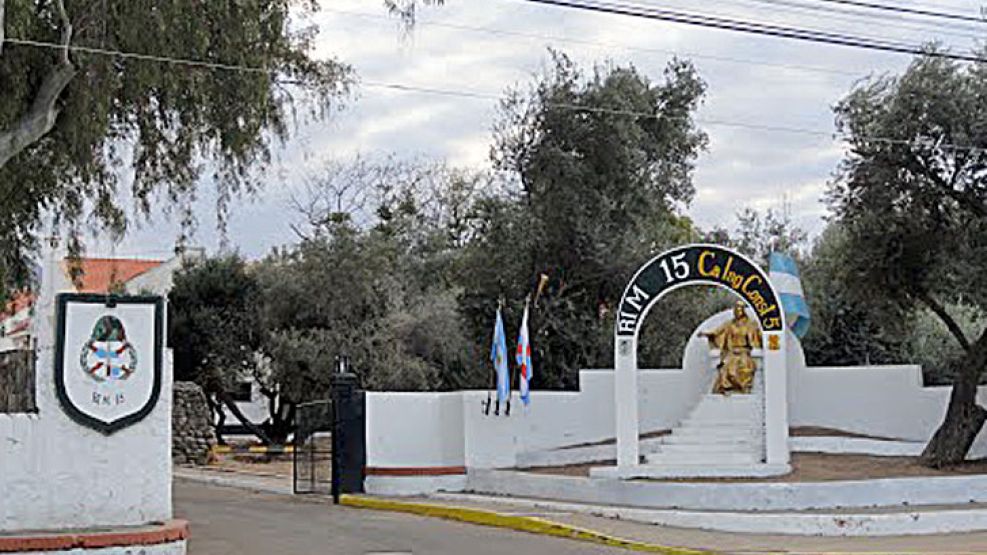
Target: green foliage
{"points": [[383, 293], [596, 193], [759, 234], [846, 329], [914, 207], [927, 341], [915, 210], [214, 323], [168, 125]]}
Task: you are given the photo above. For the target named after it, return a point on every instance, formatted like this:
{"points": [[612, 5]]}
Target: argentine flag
{"points": [[498, 355], [785, 277]]}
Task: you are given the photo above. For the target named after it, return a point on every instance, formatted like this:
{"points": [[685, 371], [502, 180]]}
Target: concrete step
{"points": [[749, 439], [692, 422], [732, 398], [723, 415], [747, 448], [693, 428], [713, 459]]}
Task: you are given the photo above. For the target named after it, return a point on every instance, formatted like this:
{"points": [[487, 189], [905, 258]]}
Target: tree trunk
{"points": [[220, 418], [254, 428], [40, 118], [282, 417], [964, 417]]}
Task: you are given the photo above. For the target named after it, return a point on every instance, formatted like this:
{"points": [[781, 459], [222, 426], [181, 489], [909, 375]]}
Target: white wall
{"points": [[55, 473], [410, 429], [414, 430], [884, 401]]}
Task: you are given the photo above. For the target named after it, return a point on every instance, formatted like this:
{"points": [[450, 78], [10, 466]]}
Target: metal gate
{"points": [[313, 448]]}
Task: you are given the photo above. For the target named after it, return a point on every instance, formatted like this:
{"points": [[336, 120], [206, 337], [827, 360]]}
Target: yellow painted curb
{"points": [[534, 525], [226, 449]]}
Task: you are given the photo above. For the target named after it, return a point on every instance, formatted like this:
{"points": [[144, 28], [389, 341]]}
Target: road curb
{"points": [[530, 524]]}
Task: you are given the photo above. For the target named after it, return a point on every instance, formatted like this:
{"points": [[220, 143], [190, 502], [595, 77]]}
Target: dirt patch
{"points": [[260, 464], [819, 431], [813, 467]]}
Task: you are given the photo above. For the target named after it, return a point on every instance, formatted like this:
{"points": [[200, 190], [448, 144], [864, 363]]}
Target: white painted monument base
{"points": [[754, 470]]}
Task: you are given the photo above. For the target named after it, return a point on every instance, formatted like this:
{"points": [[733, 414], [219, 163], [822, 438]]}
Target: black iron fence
{"points": [[313, 448]]}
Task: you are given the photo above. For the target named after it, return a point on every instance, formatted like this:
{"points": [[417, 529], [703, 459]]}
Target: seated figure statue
{"points": [[735, 340]]}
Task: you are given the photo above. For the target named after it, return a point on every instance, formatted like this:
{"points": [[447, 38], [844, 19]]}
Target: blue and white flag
{"points": [[524, 358], [785, 277], [498, 355]]}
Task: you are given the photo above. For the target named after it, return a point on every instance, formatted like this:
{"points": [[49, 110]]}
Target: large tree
{"points": [[599, 164], [911, 195], [214, 331], [94, 116]]}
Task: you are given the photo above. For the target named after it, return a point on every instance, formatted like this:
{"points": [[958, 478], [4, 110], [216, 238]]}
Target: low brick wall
{"points": [[192, 432]]}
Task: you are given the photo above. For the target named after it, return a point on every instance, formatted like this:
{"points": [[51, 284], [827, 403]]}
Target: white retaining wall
{"points": [[450, 429], [414, 429], [733, 496]]}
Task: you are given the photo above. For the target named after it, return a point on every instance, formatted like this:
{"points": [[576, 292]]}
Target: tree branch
{"points": [[961, 197], [227, 400], [40, 118], [940, 311]]}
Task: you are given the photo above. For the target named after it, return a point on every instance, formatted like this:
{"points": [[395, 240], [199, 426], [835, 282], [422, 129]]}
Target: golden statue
{"points": [[735, 340]]}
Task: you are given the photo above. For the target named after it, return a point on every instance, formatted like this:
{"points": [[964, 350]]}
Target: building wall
{"points": [[159, 280], [55, 473]]}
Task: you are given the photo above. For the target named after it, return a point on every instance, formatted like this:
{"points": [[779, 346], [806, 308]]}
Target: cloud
{"points": [[744, 166]]}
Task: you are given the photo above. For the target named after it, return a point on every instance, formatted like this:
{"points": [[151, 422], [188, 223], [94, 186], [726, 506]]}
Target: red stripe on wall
{"points": [[415, 470]]}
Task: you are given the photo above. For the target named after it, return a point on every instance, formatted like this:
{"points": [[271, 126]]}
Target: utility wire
{"points": [[402, 87], [864, 18], [537, 36], [729, 24], [907, 10]]}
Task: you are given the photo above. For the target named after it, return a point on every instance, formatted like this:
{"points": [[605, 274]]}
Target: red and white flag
{"points": [[524, 358]]}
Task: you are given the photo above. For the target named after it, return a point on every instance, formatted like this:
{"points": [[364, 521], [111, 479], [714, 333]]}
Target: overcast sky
{"points": [[486, 46]]}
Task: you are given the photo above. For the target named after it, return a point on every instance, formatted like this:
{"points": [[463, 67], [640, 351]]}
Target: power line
{"points": [[537, 36], [729, 24], [403, 87], [912, 11], [857, 17]]}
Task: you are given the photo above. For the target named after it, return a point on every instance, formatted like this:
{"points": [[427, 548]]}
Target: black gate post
{"points": [[349, 432]]}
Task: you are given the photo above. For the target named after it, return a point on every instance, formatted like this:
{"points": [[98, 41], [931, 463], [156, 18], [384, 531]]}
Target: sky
{"points": [[768, 109]]}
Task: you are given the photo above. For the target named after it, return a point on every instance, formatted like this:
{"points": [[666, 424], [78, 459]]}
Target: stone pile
{"points": [[192, 433]]}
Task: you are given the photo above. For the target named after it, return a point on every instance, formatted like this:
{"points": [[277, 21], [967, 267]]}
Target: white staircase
{"points": [[721, 431]]}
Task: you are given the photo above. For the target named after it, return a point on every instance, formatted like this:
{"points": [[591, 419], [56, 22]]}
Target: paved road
{"points": [[227, 521]]}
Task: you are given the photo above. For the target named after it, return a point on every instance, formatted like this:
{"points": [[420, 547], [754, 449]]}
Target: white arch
{"points": [[625, 366]]}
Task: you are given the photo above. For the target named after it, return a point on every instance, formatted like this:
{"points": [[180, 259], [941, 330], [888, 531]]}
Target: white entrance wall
{"points": [[55, 473], [407, 430]]}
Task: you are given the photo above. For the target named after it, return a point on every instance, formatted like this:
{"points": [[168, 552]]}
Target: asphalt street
{"points": [[227, 521]]}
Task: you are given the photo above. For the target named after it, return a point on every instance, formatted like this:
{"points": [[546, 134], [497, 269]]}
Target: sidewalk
{"points": [[643, 533]]}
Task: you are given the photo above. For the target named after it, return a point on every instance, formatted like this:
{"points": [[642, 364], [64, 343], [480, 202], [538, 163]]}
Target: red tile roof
{"points": [[100, 274], [20, 301]]}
